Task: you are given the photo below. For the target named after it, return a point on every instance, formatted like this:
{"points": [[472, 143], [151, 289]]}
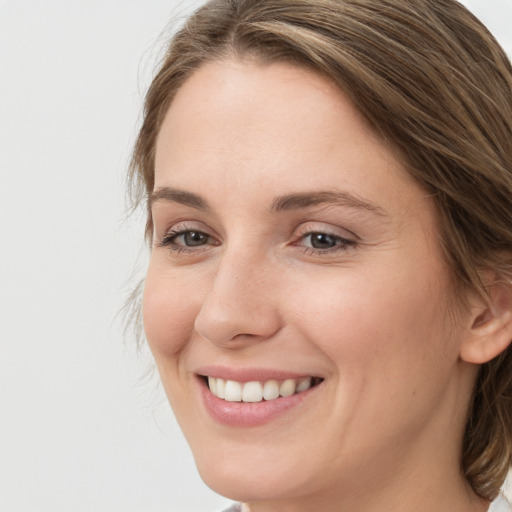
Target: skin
{"points": [[370, 314]]}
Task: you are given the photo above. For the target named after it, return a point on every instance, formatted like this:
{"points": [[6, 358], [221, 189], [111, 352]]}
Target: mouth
{"points": [[259, 391], [253, 397]]}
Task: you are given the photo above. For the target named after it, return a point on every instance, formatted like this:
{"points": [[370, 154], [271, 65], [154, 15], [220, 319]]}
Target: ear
{"points": [[491, 326]]}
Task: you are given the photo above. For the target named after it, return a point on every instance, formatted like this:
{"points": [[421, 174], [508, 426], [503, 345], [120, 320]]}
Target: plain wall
{"points": [[80, 429]]}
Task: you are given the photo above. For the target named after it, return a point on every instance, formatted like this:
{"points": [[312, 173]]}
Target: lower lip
{"points": [[250, 414]]}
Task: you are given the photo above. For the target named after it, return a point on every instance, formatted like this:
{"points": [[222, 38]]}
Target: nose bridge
{"points": [[240, 301]]}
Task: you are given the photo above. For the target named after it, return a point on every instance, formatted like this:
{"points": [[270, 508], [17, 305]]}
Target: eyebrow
{"points": [[306, 199], [287, 202], [177, 196]]}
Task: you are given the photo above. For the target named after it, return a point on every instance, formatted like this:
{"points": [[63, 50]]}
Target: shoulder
{"points": [[238, 507], [500, 504], [234, 508]]}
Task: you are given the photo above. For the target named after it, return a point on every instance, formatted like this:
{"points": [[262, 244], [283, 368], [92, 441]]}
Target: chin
{"points": [[246, 483], [253, 472]]}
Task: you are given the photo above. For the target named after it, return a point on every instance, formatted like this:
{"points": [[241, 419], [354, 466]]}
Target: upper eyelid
{"points": [[168, 237], [173, 233], [184, 225], [327, 229], [167, 241], [344, 241], [304, 228]]}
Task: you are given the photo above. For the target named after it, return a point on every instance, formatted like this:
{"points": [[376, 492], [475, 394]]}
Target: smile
{"points": [[256, 391], [251, 397]]}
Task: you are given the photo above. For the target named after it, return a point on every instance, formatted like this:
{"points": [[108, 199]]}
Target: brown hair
{"points": [[438, 87]]}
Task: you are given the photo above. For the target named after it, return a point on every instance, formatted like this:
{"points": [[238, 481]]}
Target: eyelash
{"points": [[169, 240], [341, 243]]}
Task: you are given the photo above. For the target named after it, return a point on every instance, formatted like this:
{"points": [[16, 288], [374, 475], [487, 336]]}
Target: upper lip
{"points": [[249, 374]]}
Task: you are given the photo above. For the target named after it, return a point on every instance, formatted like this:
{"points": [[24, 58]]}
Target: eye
{"points": [[320, 242], [190, 238], [183, 240]]}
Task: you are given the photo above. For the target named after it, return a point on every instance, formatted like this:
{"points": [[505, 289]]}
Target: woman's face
{"points": [[292, 249]]}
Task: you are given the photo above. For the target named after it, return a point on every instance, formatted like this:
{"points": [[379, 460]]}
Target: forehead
{"points": [[249, 98], [270, 124]]}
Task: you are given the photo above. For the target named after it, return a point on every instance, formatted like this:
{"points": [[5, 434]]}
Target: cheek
{"points": [[391, 352], [168, 312], [381, 323]]}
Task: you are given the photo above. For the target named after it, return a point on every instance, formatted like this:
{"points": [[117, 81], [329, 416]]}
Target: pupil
{"points": [[195, 238], [322, 241]]}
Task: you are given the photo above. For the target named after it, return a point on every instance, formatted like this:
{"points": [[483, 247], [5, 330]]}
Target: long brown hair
{"points": [[438, 87]]}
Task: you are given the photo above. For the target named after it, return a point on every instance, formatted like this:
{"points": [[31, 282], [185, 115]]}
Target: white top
{"points": [[500, 504]]}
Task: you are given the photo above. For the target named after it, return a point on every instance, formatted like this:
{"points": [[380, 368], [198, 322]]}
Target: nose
{"points": [[240, 307]]}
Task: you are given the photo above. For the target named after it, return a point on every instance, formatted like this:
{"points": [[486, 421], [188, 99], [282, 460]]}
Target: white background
{"points": [[80, 429]]}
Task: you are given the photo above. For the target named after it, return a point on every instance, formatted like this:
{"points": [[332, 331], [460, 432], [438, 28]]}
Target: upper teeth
{"points": [[255, 391]]}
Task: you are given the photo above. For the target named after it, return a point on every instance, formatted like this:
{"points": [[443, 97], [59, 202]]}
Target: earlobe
{"points": [[491, 329]]}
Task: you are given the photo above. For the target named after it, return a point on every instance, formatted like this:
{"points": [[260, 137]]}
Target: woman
{"points": [[329, 295]]}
